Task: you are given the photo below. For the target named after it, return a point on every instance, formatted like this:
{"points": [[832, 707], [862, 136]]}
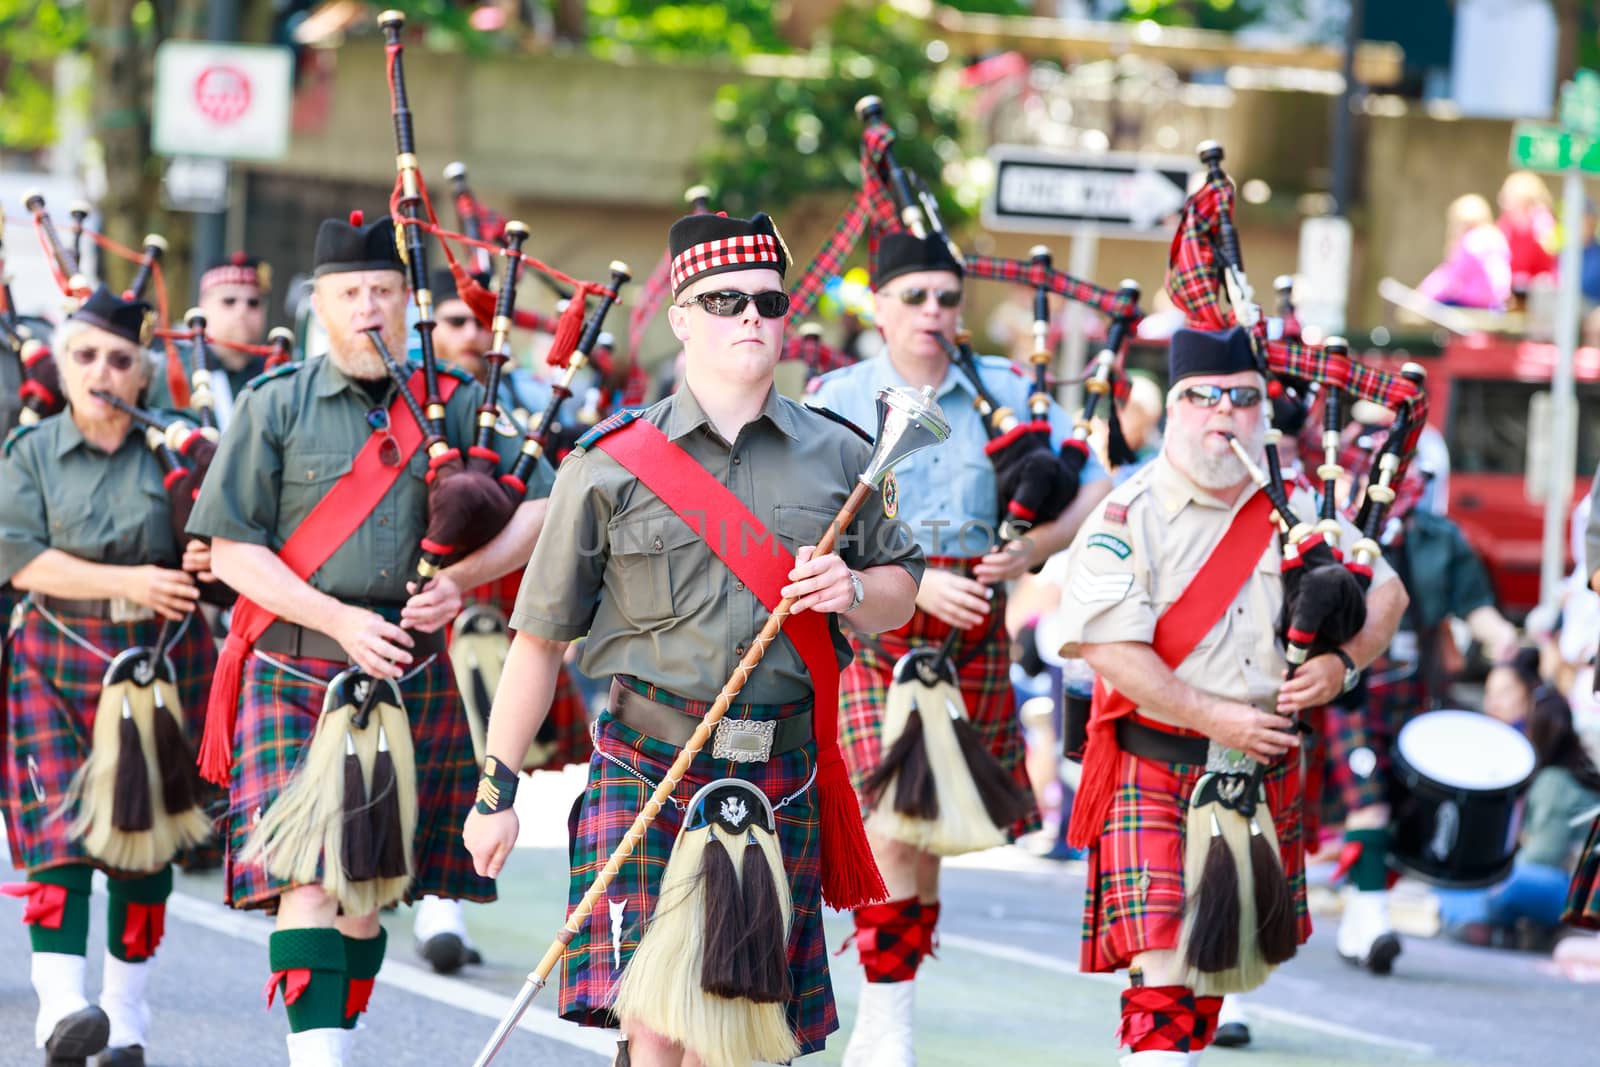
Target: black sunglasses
{"points": [[117, 360], [457, 322], [1209, 396], [389, 447], [914, 297], [251, 302], [726, 303]]}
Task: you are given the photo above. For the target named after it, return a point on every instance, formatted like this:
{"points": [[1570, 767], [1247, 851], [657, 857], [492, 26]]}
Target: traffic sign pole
{"points": [[1075, 353], [1563, 428]]}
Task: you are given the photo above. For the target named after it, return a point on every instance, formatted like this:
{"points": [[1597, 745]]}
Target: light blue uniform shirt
{"points": [[947, 492]]}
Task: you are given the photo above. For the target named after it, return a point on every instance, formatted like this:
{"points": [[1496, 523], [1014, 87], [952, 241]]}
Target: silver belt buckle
{"points": [[124, 610], [744, 741]]}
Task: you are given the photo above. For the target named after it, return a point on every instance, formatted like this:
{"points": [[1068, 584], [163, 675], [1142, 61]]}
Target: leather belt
{"points": [[117, 609], [289, 639], [1151, 743], [740, 740]]}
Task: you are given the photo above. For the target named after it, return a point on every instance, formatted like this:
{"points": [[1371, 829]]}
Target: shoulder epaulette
{"points": [[18, 434], [454, 372], [614, 421], [1001, 363], [834, 416], [1117, 502], [276, 372]]}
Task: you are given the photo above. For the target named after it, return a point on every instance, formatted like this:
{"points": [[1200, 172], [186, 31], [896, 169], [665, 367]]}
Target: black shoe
{"points": [[1381, 956], [128, 1056], [447, 953], [474, 957], [1232, 1035], [77, 1037]]}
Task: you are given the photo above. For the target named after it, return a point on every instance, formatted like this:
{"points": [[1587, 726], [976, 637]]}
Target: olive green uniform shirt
{"points": [[616, 564], [58, 491], [1140, 551], [295, 432]]}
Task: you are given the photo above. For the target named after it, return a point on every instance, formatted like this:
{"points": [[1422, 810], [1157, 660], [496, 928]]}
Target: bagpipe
{"points": [[1239, 919], [467, 504], [40, 391], [204, 367]]}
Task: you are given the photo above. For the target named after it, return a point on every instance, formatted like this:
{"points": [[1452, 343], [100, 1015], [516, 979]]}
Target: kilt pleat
{"points": [[277, 714], [984, 655], [1133, 901], [593, 963], [52, 690]]}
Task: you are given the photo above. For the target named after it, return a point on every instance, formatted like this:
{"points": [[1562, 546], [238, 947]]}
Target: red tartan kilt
{"points": [[985, 684], [52, 689], [1133, 901]]}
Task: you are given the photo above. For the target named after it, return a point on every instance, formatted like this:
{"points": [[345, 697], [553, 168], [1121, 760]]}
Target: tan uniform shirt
{"points": [[616, 564], [1139, 552]]}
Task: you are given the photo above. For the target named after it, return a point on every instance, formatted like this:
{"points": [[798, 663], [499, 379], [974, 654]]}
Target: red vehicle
{"points": [[1484, 393]]}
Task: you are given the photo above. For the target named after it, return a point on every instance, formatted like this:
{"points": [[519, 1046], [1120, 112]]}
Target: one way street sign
{"points": [[1116, 194]]}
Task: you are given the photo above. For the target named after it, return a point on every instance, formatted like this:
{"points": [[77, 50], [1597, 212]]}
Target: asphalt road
{"points": [[1004, 990]]}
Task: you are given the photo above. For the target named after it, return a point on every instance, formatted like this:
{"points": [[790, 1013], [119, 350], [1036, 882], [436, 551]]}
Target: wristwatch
{"points": [[1351, 674], [860, 592]]}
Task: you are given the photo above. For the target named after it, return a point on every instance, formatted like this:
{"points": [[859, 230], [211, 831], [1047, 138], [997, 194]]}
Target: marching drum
{"points": [[1455, 794]]}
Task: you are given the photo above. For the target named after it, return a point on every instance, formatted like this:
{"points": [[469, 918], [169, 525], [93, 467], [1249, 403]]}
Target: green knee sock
{"points": [[363, 958], [1371, 871], [144, 900], [71, 938], [318, 954]]}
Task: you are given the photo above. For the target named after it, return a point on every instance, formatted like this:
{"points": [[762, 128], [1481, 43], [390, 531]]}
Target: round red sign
{"points": [[222, 93]]}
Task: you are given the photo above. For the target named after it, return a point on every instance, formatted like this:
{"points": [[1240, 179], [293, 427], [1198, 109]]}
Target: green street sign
{"points": [[1537, 146]]}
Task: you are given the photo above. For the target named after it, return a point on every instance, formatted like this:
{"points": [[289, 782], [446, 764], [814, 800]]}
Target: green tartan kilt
{"points": [[277, 713], [593, 963]]}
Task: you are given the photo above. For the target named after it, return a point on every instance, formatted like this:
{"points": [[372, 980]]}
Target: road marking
{"points": [[451, 992], [1038, 960]]}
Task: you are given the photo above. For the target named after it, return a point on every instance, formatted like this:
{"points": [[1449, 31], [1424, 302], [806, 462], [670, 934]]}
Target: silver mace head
{"points": [[908, 422]]}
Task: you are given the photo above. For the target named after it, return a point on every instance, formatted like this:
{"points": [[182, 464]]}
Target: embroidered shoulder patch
{"points": [[1117, 513], [1115, 545], [1100, 588]]}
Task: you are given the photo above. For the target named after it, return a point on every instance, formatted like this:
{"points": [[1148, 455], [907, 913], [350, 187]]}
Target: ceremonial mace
{"points": [[907, 422]]}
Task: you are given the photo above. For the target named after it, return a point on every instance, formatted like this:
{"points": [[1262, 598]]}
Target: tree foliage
{"points": [[783, 138], [32, 36]]}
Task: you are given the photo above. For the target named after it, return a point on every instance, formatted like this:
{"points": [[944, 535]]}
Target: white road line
{"points": [[1038, 960], [451, 992]]}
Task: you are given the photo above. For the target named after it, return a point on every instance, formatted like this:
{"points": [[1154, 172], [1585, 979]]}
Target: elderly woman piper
{"points": [[107, 665]]}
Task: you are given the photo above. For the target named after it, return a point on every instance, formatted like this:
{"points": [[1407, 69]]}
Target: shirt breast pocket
{"points": [[662, 567], [307, 477], [158, 530], [801, 524], [975, 486]]}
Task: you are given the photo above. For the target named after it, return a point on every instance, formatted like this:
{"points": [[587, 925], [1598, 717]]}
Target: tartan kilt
{"points": [[985, 684], [1133, 900], [1583, 896], [593, 963], [566, 728], [277, 714], [52, 690], [1391, 702]]}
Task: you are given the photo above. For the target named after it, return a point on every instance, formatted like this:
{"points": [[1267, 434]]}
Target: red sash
{"points": [[850, 876], [1178, 631], [337, 515]]}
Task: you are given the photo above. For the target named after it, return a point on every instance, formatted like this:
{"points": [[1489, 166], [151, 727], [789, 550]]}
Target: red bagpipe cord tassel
{"points": [[47, 904], [294, 983], [145, 927], [1157, 1018], [357, 995]]}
